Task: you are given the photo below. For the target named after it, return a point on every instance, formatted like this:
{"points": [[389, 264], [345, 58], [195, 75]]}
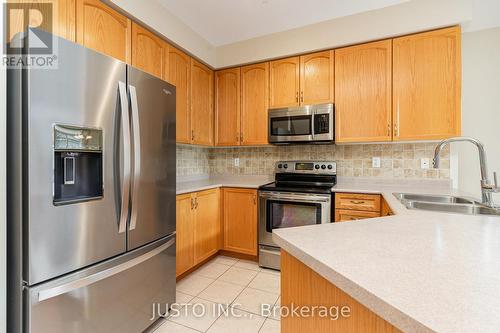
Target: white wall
{"points": [[480, 105], [151, 13], [409, 17]]}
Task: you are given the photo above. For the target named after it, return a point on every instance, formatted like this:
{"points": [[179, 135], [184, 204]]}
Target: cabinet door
{"points": [[363, 92], [426, 85], [149, 52], [240, 220], [63, 17], [207, 225], [316, 78], [103, 29], [179, 74], [254, 104], [185, 233], [284, 82], [202, 129], [227, 107]]}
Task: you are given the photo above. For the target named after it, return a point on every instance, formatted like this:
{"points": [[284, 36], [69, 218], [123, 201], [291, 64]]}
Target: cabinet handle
{"points": [[396, 132], [357, 202], [297, 97], [254, 199], [192, 203], [192, 134], [388, 129], [302, 96], [241, 137], [195, 203]]}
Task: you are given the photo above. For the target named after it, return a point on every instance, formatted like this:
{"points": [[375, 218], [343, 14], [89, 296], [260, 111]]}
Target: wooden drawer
{"points": [[344, 215], [356, 201]]}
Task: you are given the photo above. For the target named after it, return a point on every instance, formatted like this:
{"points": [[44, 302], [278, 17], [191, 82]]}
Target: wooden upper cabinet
{"points": [[316, 78], [101, 28], [207, 224], [363, 92], [63, 17], [426, 85], [284, 82], [227, 107], [184, 212], [149, 52], [202, 120], [254, 103], [179, 74], [240, 220]]}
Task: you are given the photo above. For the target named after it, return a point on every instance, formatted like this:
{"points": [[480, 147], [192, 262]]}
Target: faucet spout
{"points": [[486, 186]]}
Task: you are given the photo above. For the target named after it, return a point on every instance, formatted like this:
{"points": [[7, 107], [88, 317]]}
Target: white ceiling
{"points": [[223, 22]]}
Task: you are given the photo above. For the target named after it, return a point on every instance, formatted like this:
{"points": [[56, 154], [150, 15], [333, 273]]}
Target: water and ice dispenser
{"points": [[78, 164]]}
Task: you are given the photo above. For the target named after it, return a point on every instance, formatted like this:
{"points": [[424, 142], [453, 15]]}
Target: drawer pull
{"points": [[357, 202]]}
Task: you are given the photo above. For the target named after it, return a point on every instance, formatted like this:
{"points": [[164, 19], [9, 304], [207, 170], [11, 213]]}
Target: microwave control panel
{"points": [[321, 123]]}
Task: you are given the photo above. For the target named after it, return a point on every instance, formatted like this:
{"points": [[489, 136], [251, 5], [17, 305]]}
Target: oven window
{"points": [[283, 214], [289, 126]]}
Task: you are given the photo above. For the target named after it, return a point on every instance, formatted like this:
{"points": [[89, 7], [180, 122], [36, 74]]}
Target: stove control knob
{"points": [[316, 166], [280, 166], [323, 167], [285, 166], [330, 167]]}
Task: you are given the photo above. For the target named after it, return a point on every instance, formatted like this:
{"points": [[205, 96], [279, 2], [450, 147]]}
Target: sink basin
{"points": [[453, 208], [445, 203], [432, 198]]}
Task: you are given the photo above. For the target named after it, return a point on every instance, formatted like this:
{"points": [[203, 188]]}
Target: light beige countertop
{"points": [[201, 183], [421, 271]]}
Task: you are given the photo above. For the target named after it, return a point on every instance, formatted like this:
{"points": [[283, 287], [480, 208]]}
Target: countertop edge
{"points": [[381, 308]]}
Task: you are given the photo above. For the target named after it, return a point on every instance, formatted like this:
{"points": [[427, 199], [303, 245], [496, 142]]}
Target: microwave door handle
{"points": [[125, 186], [137, 155]]}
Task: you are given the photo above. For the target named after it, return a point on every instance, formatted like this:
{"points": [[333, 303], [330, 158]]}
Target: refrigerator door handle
{"points": [[137, 154], [91, 279], [125, 195]]}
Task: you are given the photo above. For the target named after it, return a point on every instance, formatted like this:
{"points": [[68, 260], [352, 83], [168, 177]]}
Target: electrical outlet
{"points": [[236, 162], [424, 163], [376, 162]]}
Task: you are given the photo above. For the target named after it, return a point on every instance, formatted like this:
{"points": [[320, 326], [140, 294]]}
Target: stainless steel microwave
{"points": [[304, 124]]}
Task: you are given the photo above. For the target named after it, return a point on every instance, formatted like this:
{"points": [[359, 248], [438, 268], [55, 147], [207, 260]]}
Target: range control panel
{"points": [[316, 167]]}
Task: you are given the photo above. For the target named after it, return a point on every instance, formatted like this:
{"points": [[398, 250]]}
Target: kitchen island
{"points": [[416, 271]]}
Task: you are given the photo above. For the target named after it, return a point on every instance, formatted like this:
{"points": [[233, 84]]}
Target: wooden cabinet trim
{"points": [[201, 119], [183, 105], [345, 215]]}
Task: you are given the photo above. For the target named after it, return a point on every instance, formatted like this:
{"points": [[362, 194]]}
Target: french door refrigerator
{"points": [[91, 207]]}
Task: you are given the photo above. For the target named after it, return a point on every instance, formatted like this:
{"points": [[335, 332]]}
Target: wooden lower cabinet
{"points": [[198, 228], [301, 286], [240, 220], [207, 224], [184, 233], [357, 206]]}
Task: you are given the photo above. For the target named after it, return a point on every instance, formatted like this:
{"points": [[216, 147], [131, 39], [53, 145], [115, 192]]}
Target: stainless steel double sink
{"points": [[445, 203]]}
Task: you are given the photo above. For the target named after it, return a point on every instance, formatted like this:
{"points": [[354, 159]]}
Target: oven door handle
{"points": [[304, 199]]}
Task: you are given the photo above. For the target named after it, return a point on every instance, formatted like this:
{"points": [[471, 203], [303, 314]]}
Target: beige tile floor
{"points": [[231, 291]]}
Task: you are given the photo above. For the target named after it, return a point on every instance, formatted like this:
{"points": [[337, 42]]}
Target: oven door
{"points": [[287, 125], [285, 210]]}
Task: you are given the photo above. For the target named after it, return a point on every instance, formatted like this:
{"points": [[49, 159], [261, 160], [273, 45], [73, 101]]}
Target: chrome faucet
{"points": [[487, 187]]}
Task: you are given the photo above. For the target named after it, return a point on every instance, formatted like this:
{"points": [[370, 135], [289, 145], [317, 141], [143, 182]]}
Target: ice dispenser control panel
{"points": [[78, 164]]}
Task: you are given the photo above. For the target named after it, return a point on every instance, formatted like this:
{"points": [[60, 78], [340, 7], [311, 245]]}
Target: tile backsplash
{"points": [[398, 160]]}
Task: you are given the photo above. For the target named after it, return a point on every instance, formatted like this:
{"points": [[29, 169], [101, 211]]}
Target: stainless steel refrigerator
{"points": [[91, 195]]}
